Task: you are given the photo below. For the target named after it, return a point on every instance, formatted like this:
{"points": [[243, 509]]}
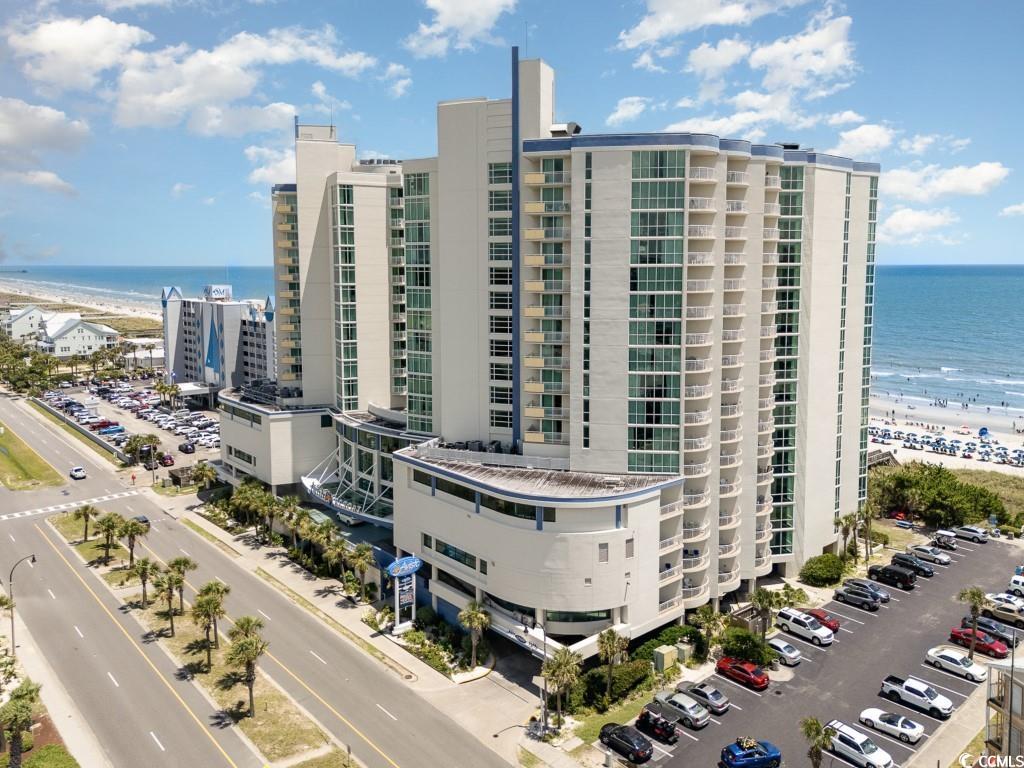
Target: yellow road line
{"points": [[138, 648], [370, 743]]}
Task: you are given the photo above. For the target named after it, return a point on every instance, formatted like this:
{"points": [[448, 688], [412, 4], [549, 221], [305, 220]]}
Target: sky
{"points": [[150, 131]]}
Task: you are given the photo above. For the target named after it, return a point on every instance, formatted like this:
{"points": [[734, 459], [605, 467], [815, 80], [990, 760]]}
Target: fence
{"points": [[92, 436]]}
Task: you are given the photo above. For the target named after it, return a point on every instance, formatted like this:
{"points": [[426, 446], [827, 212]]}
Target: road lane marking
{"points": [[386, 712], [261, 613], [186, 554], [12, 538], [687, 735], [318, 658], [113, 680], [948, 674], [138, 648], [52, 596], [157, 741], [79, 631], [65, 506], [967, 549]]}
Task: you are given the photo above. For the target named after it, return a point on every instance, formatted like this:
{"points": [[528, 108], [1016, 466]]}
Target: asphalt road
{"points": [[359, 701], [841, 681]]}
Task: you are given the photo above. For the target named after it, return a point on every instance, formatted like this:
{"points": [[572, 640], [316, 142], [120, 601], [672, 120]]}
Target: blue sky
{"points": [[149, 131]]}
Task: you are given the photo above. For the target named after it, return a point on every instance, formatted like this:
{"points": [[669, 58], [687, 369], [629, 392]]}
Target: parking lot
{"points": [[841, 681]]}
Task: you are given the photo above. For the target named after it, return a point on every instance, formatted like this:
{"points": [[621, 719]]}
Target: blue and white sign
{"points": [[404, 566]]}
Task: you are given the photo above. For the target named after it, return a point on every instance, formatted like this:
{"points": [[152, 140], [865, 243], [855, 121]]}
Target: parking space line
{"points": [[834, 756], [801, 641], [732, 705], [966, 549], [725, 679], [716, 722], [914, 712], [948, 674], [660, 749], [897, 742], [844, 629], [861, 610], [687, 735], [848, 618]]}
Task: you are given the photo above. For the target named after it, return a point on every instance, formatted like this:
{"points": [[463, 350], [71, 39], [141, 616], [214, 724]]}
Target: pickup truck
{"points": [[918, 694]]}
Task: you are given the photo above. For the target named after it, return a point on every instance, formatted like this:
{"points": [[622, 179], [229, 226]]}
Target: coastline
{"points": [[98, 306]]}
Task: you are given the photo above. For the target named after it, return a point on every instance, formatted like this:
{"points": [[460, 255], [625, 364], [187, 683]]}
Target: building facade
{"points": [[1004, 709], [591, 380]]}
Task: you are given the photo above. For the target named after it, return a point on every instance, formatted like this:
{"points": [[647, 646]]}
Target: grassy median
{"points": [[21, 468], [91, 550]]}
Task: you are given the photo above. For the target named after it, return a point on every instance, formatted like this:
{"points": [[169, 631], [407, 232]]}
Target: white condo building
{"points": [[592, 380], [62, 334]]}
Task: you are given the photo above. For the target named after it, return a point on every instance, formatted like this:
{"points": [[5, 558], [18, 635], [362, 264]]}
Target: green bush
{"points": [[880, 537], [853, 548], [671, 635], [822, 571], [425, 617], [741, 644], [590, 690], [1009, 531]]}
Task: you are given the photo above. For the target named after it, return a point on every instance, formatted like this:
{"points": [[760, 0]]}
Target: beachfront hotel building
{"points": [[592, 380]]}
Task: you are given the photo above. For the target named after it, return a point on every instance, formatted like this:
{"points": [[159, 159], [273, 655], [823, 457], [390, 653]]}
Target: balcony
{"points": [[287, 244], [547, 438], [285, 226], [397, 260], [765, 427], [696, 365], [773, 182], [692, 596], [686, 501], [727, 521], [539, 412], [536, 386], [769, 259], [398, 279], [701, 204], [762, 533], [772, 209], [737, 177], [768, 332], [288, 311], [287, 294], [540, 310], [735, 233], [396, 242], [546, 178], [698, 339], [287, 328], [767, 355], [284, 208], [699, 313], [730, 435], [766, 380], [764, 477], [729, 489], [733, 310], [702, 173], [763, 508], [558, 363], [734, 284], [700, 259], [545, 259], [762, 560], [733, 334], [735, 259], [668, 605], [547, 286], [289, 344], [736, 206], [730, 459], [696, 444], [732, 385], [547, 206], [697, 417], [548, 233], [769, 307], [699, 286], [770, 233], [732, 411], [765, 403], [546, 337], [769, 283], [699, 469], [765, 450], [728, 578], [697, 391], [700, 231], [690, 564]]}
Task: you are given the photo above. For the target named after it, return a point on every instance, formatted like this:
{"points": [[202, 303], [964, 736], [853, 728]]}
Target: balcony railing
{"points": [[546, 387], [701, 204], [694, 563], [696, 470], [763, 508], [730, 459], [729, 489], [548, 438], [772, 209], [773, 182], [548, 233], [732, 334], [735, 233], [696, 443], [725, 577], [732, 385], [736, 206], [764, 477], [769, 282], [697, 417], [694, 391], [764, 427], [737, 177], [765, 450], [699, 286], [695, 365], [688, 593], [397, 260], [547, 362], [702, 173], [769, 259], [770, 233], [765, 402], [699, 258], [768, 331], [734, 284], [669, 604], [769, 307], [762, 560], [540, 412], [730, 435], [698, 339], [767, 355], [734, 258], [700, 230], [733, 310], [732, 411], [728, 520], [534, 178], [540, 310], [699, 313], [547, 206], [546, 286], [546, 337], [766, 380], [762, 533]]}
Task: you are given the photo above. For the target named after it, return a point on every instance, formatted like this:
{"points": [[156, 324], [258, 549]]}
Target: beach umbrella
{"points": [[983, 432]]}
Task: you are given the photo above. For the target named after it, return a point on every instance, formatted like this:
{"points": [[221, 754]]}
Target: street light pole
{"points": [[544, 638], [10, 594]]}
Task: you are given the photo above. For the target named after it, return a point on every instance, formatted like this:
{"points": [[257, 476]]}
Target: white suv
{"points": [[856, 747], [805, 626], [971, 533]]}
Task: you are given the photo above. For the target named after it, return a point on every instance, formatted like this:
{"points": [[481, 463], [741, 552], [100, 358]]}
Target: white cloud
{"points": [[458, 23], [273, 166], [400, 87], [646, 61], [120, 5], [754, 112], [70, 54], [918, 144], [212, 120], [666, 19], [327, 103], [400, 81], [929, 182], [713, 60], [819, 56], [1013, 210], [686, 103], [373, 154], [845, 117], [863, 142], [909, 226], [179, 188], [958, 145], [26, 130], [209, 200], [628, 108], [45, 180], [396, 70]]}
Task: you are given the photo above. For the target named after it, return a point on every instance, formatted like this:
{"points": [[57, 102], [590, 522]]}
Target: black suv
{"points": [[894, 575], [627, 741], [856, 596], [911, 563], [882, 594]]}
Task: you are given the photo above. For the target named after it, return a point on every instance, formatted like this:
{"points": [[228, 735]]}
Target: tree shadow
{"points": [[153, 635], [229, 680], [195, 647], [331, 590], [228, 718], [190, 670]]}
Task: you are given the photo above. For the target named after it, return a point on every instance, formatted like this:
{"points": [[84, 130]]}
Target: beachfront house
{"points": [[65, 334], [25, 322]]}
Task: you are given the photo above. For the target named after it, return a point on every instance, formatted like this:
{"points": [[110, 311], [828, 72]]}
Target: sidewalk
{"points": [[945, 747], [491, 707]]}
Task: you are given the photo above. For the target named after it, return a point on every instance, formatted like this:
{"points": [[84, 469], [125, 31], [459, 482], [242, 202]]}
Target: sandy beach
{"points": [[921, 417], [101, 307]]}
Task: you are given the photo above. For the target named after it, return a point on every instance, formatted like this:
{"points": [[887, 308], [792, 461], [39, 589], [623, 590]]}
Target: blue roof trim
{"points": [[284, 188], [734, 145], [564, 501], [820, 158], [767, 150], [859, 167], [621, 140]]}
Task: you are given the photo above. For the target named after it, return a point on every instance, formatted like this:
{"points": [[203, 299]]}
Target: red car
{"points": [[984, 642], [744, 672], [167, 460], [825, 618]]}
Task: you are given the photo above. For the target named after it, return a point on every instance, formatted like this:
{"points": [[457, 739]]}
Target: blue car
{"points": [[750, 753]]}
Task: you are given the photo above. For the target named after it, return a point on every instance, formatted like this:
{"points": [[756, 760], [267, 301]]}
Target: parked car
{"points": [[77, 473], [857, 597], [803, 625], [707, 696], [1003, 598], [956, 662], [918, 694], [881, 594], [657, 725], [187, 448], [788, 655], [167, 460], [894, 575], [944, 540], [687, 710], [151, 464], [143, 519], [911, 563], [858, 748], [928, 553], [1006, 613], [744, 672], [892, 724], [983, 641], [1016, 585], [750, 753], [627, 741], [824, 618], [971, 533], [996, 629]]}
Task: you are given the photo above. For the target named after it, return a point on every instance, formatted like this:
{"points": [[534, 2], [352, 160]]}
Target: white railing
{"points": [[764, 450], [732, 310], [764, 477], [762, 533], [730, 360], [768, 331], [699, 285], [696, 417], [702, 173], [763, 508], [732, 385], [695, 339], [694, 563], [769, 282], [735, 334], [772, 209], [698, 364], [699, 258], [733, 258], [691, 500], [701, 204], [766, 380], [736, 206], [693, 532], [767, 355], [730, 435], [727, 489], [732, 410], [698, 390], [765, 402], [700, 230], [735, 233], [696, 443], [724, 577], [770, 233], [696, 469], [764, 426], [669, 604], [769, 259], [773, 182], [729, 459], [494, 459], [769, 307], [725, 521], [699, 313], [737, 177], [734, 284], [762, 560], [670, 542], [688, 593]]}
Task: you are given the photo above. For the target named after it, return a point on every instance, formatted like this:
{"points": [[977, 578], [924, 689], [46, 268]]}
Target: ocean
{"points": [[947, 332]]}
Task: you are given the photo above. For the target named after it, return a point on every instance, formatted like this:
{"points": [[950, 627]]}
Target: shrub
{"points": [[852, 548], [590, 690], [741, 644], [1009, 531], [822, 571], [425, 617], [880, 537], [670, 636]]}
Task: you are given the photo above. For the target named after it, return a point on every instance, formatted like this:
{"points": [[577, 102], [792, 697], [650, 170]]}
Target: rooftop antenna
{"points": [[526, 38]]}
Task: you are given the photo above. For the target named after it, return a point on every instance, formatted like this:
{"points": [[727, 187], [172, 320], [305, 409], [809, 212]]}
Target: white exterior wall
{"points": [[27, 324], [81, 339]]}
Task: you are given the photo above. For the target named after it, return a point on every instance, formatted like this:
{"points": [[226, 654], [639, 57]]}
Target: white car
{"points": [[956, 662], [77, 473], [804, 625], [858, 748], [893, 724], [930, 554], [1005, 598], [788, 655]]}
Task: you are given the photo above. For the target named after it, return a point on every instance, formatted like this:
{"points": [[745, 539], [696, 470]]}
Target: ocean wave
{"points": [[882, 374], [1011, 392], [944, 369], [51, 286]]}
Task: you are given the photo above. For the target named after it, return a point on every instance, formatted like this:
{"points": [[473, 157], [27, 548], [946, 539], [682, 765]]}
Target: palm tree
{"points": [[819, 739], [132, 530], [709, 620], [165, 585], [847, 525], [612, 648], [181, 566], [766, 601], [290, 505], [205, 611], [86, 512], [975, 598], [864, 516], [149, 348], [216, 591], [273, 509], [16, 716], [245, 652], [474, 618], [109, 525], [299, 520], [205, 474], [173, 392], [562, 671], [361, 559], [336, 553], [246, 626], [145, 569]]}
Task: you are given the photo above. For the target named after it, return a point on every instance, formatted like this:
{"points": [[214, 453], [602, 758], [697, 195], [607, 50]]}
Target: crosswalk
{"points": [[68, 505]]}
